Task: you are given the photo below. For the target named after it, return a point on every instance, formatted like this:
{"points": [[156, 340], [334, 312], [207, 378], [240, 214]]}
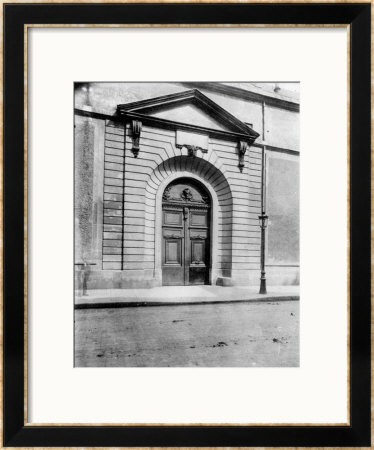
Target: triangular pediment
{"points": [[190, 108], [192, 115]]}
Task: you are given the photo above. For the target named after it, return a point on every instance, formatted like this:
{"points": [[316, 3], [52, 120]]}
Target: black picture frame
{"points": [[15, 433]]}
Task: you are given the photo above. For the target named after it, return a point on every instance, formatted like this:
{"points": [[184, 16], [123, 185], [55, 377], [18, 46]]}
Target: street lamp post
{"points": [[263, 220]]}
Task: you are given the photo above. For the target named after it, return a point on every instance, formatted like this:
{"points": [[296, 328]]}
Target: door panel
{"points": [[198, 252], [173, 273], [172, 248], [198, 269], [199, 247], [199, 218], [173, 218], [173, 252]]}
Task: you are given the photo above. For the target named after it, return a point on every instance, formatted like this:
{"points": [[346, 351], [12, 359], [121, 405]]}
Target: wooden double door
{"points": [[185, 234]]}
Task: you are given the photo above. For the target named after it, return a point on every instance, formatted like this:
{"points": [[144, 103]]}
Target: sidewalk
{"points": [[181, 295]]}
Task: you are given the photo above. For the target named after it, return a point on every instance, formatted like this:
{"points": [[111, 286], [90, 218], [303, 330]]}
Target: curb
{"points": [[134, 304]]}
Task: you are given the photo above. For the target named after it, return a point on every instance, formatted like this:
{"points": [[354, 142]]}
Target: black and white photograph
{"points": [[186, 232]]}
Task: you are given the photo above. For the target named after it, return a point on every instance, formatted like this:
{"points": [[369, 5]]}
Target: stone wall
{"points": [[113, 195], [88, 194], [282, 206], [131, 231]]}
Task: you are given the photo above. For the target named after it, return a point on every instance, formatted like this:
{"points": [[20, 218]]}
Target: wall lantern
{"points": [[136, 128]]}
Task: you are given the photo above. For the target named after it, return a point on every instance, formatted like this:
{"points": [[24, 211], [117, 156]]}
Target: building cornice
{"points": [[172, 125], [245, 95]]}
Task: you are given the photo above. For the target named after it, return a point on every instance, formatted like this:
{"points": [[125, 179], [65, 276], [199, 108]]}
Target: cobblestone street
{"points": [[212, 335]]}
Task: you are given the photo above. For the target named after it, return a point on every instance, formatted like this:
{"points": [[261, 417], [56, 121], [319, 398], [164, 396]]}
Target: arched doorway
{"points": [[186, 212]]}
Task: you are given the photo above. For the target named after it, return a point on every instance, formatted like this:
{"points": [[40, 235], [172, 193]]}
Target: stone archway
{"points": [[219, 190]]}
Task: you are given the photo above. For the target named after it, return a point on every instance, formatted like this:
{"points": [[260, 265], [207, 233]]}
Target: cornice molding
{"points": [[96, 115], [163, 123], [172, 125]]}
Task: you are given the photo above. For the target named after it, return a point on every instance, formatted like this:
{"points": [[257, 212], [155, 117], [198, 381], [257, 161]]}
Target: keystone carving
{"points": [[192, 149], [186, 195]]}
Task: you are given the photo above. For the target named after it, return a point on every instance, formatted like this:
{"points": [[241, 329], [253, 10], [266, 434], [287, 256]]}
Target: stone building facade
{"points": [[170, 179]]}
